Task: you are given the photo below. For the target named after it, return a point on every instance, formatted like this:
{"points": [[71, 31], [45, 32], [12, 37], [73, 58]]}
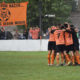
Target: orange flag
{"points": [[13, 13]]}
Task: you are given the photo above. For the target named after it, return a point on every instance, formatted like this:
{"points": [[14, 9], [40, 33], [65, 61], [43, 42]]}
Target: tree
{"points": [[61, 8]]}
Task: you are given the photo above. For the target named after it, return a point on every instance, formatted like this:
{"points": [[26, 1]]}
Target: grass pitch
{"points": [[33, 66]]}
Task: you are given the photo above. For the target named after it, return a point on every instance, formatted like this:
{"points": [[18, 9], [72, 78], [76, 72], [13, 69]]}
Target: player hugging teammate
{"points": [[63, 42]]}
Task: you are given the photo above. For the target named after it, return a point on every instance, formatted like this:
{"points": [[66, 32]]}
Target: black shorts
{"points": [[76, 47], [51, 45], [70, 48], [60, 48]]}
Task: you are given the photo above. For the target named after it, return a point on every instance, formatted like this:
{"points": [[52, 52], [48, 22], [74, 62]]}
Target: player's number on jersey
{"points": [[58, 35], [69, 35]]}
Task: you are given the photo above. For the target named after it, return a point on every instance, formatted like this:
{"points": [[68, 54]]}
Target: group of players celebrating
{"points": [[63, 42]]}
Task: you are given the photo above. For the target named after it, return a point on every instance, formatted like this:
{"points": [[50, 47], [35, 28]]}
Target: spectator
{"points": [[35, 33], [16, 35], [25, 35], [9, 35], [30, 33], [47, 34], [2, 33]]}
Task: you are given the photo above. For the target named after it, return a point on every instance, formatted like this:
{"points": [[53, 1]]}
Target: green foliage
{"points": [[61, 8]]}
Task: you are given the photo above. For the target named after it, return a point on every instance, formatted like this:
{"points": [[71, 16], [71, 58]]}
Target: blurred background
{"points": [[42, 14]]}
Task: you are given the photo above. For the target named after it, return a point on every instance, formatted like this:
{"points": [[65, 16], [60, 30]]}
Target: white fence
{"points": [[23, 45]]}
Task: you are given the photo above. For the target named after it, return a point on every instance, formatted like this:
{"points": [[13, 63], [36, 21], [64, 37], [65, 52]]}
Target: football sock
{"points": [[77, 59], [52, 59], [62, 58], [67, 58], [57, 59], [73, 60], [48, 58]]}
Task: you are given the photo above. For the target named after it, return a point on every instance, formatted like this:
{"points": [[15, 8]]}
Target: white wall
{"points": [[23, 45]]}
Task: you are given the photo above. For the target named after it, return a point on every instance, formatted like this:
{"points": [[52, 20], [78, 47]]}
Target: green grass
{"points": [[33, 66]]}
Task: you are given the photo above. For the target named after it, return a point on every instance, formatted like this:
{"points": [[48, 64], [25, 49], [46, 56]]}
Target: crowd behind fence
{"points": [[33, 33]]}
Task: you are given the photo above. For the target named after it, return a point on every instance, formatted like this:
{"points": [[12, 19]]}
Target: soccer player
{"points": [[51, 47], [69, 43], [60, 45], [76, 44]]}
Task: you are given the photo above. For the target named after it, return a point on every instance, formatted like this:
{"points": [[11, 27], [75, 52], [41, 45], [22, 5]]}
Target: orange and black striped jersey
{"points": [[68, 38], [59, 37], [51, 37]]}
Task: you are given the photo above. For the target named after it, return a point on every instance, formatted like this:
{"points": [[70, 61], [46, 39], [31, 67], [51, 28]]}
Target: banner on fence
{"points": [[13, 13]]}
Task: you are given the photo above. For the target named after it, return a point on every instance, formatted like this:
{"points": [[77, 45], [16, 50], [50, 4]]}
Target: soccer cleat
{"points": [[65, 64], [73, 64], [48, 64], [61, 64], [57, 65], [69, 64], [78, 65], [51, 64]]}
